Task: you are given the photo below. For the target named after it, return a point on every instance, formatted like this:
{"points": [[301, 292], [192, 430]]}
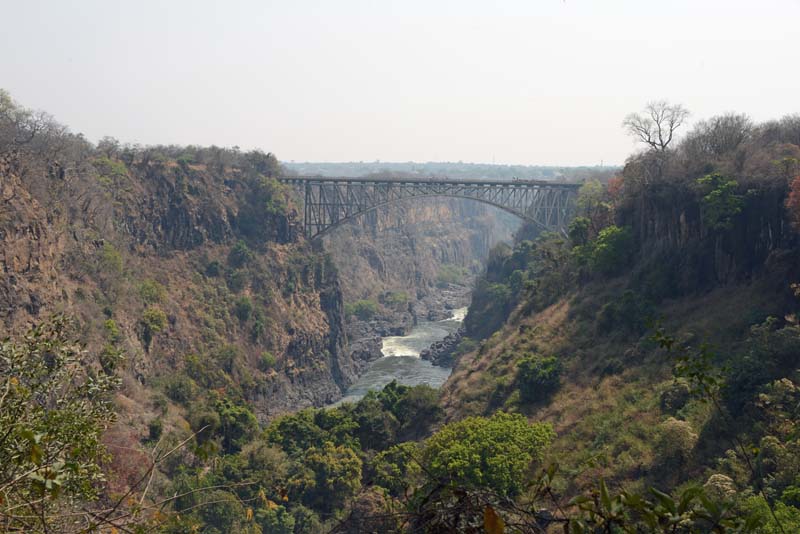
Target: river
{"points": [[401, 359]]}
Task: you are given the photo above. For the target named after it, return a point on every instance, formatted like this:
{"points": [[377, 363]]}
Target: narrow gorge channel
{"points": [[401, 358]]}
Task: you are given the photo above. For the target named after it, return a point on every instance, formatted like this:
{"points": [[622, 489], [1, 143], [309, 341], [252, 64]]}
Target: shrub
{"points": [[213, 269], [579, 231], [222, 511], [337, 476], [237, 424], [180, 388], [363, 309], [239, 255], [611, 251], [205, 423], [259, 326], [243, 308], [151, 291], [112, 330], [236, 280], [450, 274], [267, 361], [538, 377], [793, 203], [675, 396], [396, 299], [155, 428], [627, 314], [395, 468], [676, 440], [465, 345], [153, 321], [275, 519], [109, 169], [110, 260], [720, 204]]}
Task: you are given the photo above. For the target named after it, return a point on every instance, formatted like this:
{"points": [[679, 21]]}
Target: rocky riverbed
{"points": [[365, 337]]}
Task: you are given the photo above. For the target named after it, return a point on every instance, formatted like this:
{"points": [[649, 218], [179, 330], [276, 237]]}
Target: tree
{"points": [[593, 204], [20, 126], [721, 204], [336, 476], [55, 404], [793, 203], [718, 135], [538, 377], [578, 232], [657, 125], [612, 250], [481, 452]]}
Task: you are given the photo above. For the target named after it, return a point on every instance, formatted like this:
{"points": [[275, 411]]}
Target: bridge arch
{"points": [[330, 202]]}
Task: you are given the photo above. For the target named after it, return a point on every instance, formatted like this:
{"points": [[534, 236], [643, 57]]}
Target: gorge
{"points": [[424, 366]]}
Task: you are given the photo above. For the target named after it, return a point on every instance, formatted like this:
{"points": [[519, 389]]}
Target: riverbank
{"points": [[400, 357]]}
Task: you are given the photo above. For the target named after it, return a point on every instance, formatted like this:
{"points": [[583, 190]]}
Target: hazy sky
{"points": [[511, 81]]}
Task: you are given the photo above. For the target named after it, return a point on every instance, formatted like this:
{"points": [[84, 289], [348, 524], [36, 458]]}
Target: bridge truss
{"points": [[329, 202]]}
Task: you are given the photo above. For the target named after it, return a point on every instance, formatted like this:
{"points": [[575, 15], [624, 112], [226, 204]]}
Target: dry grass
{"points": [[607, 411]]}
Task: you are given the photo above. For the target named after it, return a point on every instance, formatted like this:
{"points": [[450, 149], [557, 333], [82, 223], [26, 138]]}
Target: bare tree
{"points": [[657, 124]]}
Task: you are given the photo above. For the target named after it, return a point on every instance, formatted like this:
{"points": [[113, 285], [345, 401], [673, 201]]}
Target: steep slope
{"points": [[573, 331], [177, 266]]}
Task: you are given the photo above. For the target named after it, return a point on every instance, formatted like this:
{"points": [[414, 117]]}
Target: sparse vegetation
{"points": [[364, 310]]}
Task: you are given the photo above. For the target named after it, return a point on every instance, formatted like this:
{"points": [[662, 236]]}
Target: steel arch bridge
{"points": [[329, 202]]}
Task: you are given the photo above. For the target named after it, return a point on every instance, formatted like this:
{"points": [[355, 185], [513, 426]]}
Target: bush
{"points": [[153, 321], [675, 396], [155, 428], [151, 291], [579, 231], [213, 269], [627, 314], [396, 299], [611, 251], [237, 425], [363, 309], [395, 468], [465, 345], [180, 388], [720, 204], [676, 440], [267, 361], [243, 308], [239, 255], [110, 260], [109, 169], [450, 274], [236, 280], [275, 520], [112, 330], [538, 377], [337, 476]]}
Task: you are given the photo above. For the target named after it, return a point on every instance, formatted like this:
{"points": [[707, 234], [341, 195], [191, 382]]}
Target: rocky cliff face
{"points": [[669, 226], [427, 250], [159, 261], [404, 247]]}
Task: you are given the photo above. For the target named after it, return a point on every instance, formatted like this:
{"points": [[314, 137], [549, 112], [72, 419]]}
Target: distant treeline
{"points": [[454, 170]]}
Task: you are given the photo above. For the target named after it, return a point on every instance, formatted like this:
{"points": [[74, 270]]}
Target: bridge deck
{"points": [[426, 181]]}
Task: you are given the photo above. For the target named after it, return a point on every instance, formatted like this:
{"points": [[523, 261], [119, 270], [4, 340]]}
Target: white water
{"points": [[401, 359]]}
